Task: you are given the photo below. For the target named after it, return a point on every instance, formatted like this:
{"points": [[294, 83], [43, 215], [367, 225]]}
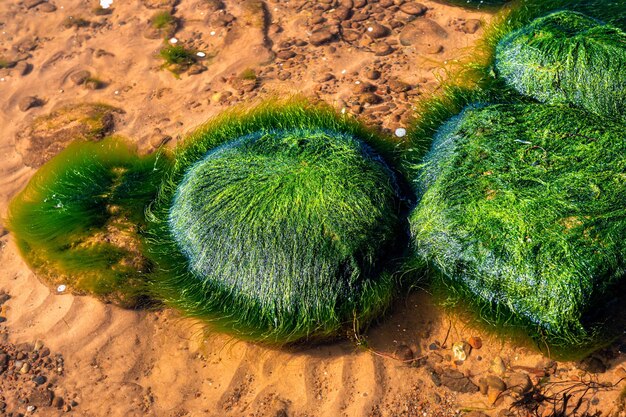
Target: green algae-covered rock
{"points": [[284, 231], [523, 205], [567, 58]]}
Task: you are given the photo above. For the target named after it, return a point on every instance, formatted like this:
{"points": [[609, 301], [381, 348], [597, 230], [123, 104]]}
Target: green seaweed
{"points": [[177, 58], [567, 58], [523, 205], [77, 221], [472, 78], [274, 224]]}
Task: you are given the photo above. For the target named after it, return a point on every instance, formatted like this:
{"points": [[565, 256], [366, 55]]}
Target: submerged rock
{"points": [[567, 58], [522, 206]]}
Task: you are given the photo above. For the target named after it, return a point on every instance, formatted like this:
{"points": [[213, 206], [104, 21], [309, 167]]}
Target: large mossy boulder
{"points": [[283, 231], [567, 58], [523, 206]]}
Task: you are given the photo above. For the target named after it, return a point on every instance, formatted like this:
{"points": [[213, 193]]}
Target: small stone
{"points": [[25, 368], [475, 342], [417, 31], [31, 408], [592, 365], [57, 402], [325, 77], [2, 319], [471, 26], [321, 37], [360, 16], [370, 98], [382, 49], [460, 351], [433, 346], [80, 77], [398, 86], [29, 4], [4, 297], [44, 352], [377, 31], [493, 395], [40, 398], [22, 68], [458, 382], [343, 13], [364, 88], [284, 76], [285, 54], [38, 345], [495, 382], [39, 380], [434, 376], [196, 69], [483, 386], [373, 74], [519, 383], [497, 366], [351, 36], [29, 102], [413, 9], [94, 84], [400, 132], [404, 353], [47, 7]]}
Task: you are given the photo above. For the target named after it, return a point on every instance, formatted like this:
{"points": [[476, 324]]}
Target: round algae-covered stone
{"points": [[567, 58], [523, 205], [285, 229]]}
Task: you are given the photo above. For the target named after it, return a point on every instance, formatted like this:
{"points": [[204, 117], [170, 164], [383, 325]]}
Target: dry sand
{"points": [[106, 361]]}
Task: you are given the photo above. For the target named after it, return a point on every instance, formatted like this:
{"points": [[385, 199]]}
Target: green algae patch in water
{"points": [[77, 222], [279, 224], [522, 205], [567, 58]]}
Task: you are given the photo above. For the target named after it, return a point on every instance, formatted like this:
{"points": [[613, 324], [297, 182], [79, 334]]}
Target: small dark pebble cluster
{"points": [[29, 376]]}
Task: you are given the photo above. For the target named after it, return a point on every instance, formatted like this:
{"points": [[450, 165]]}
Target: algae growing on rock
{"points": [[277, 224], [567, 58], [78, 220], [284, 220], [523, 204]]}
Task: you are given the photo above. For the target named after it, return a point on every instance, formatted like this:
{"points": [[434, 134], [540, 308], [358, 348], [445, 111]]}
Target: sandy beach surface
{"points": [[61, 353]]}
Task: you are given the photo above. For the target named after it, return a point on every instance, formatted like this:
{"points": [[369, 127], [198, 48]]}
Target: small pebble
{"points": [[39, 379], [475, 342], [173, 40], [62, 287], [401, 132]]}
